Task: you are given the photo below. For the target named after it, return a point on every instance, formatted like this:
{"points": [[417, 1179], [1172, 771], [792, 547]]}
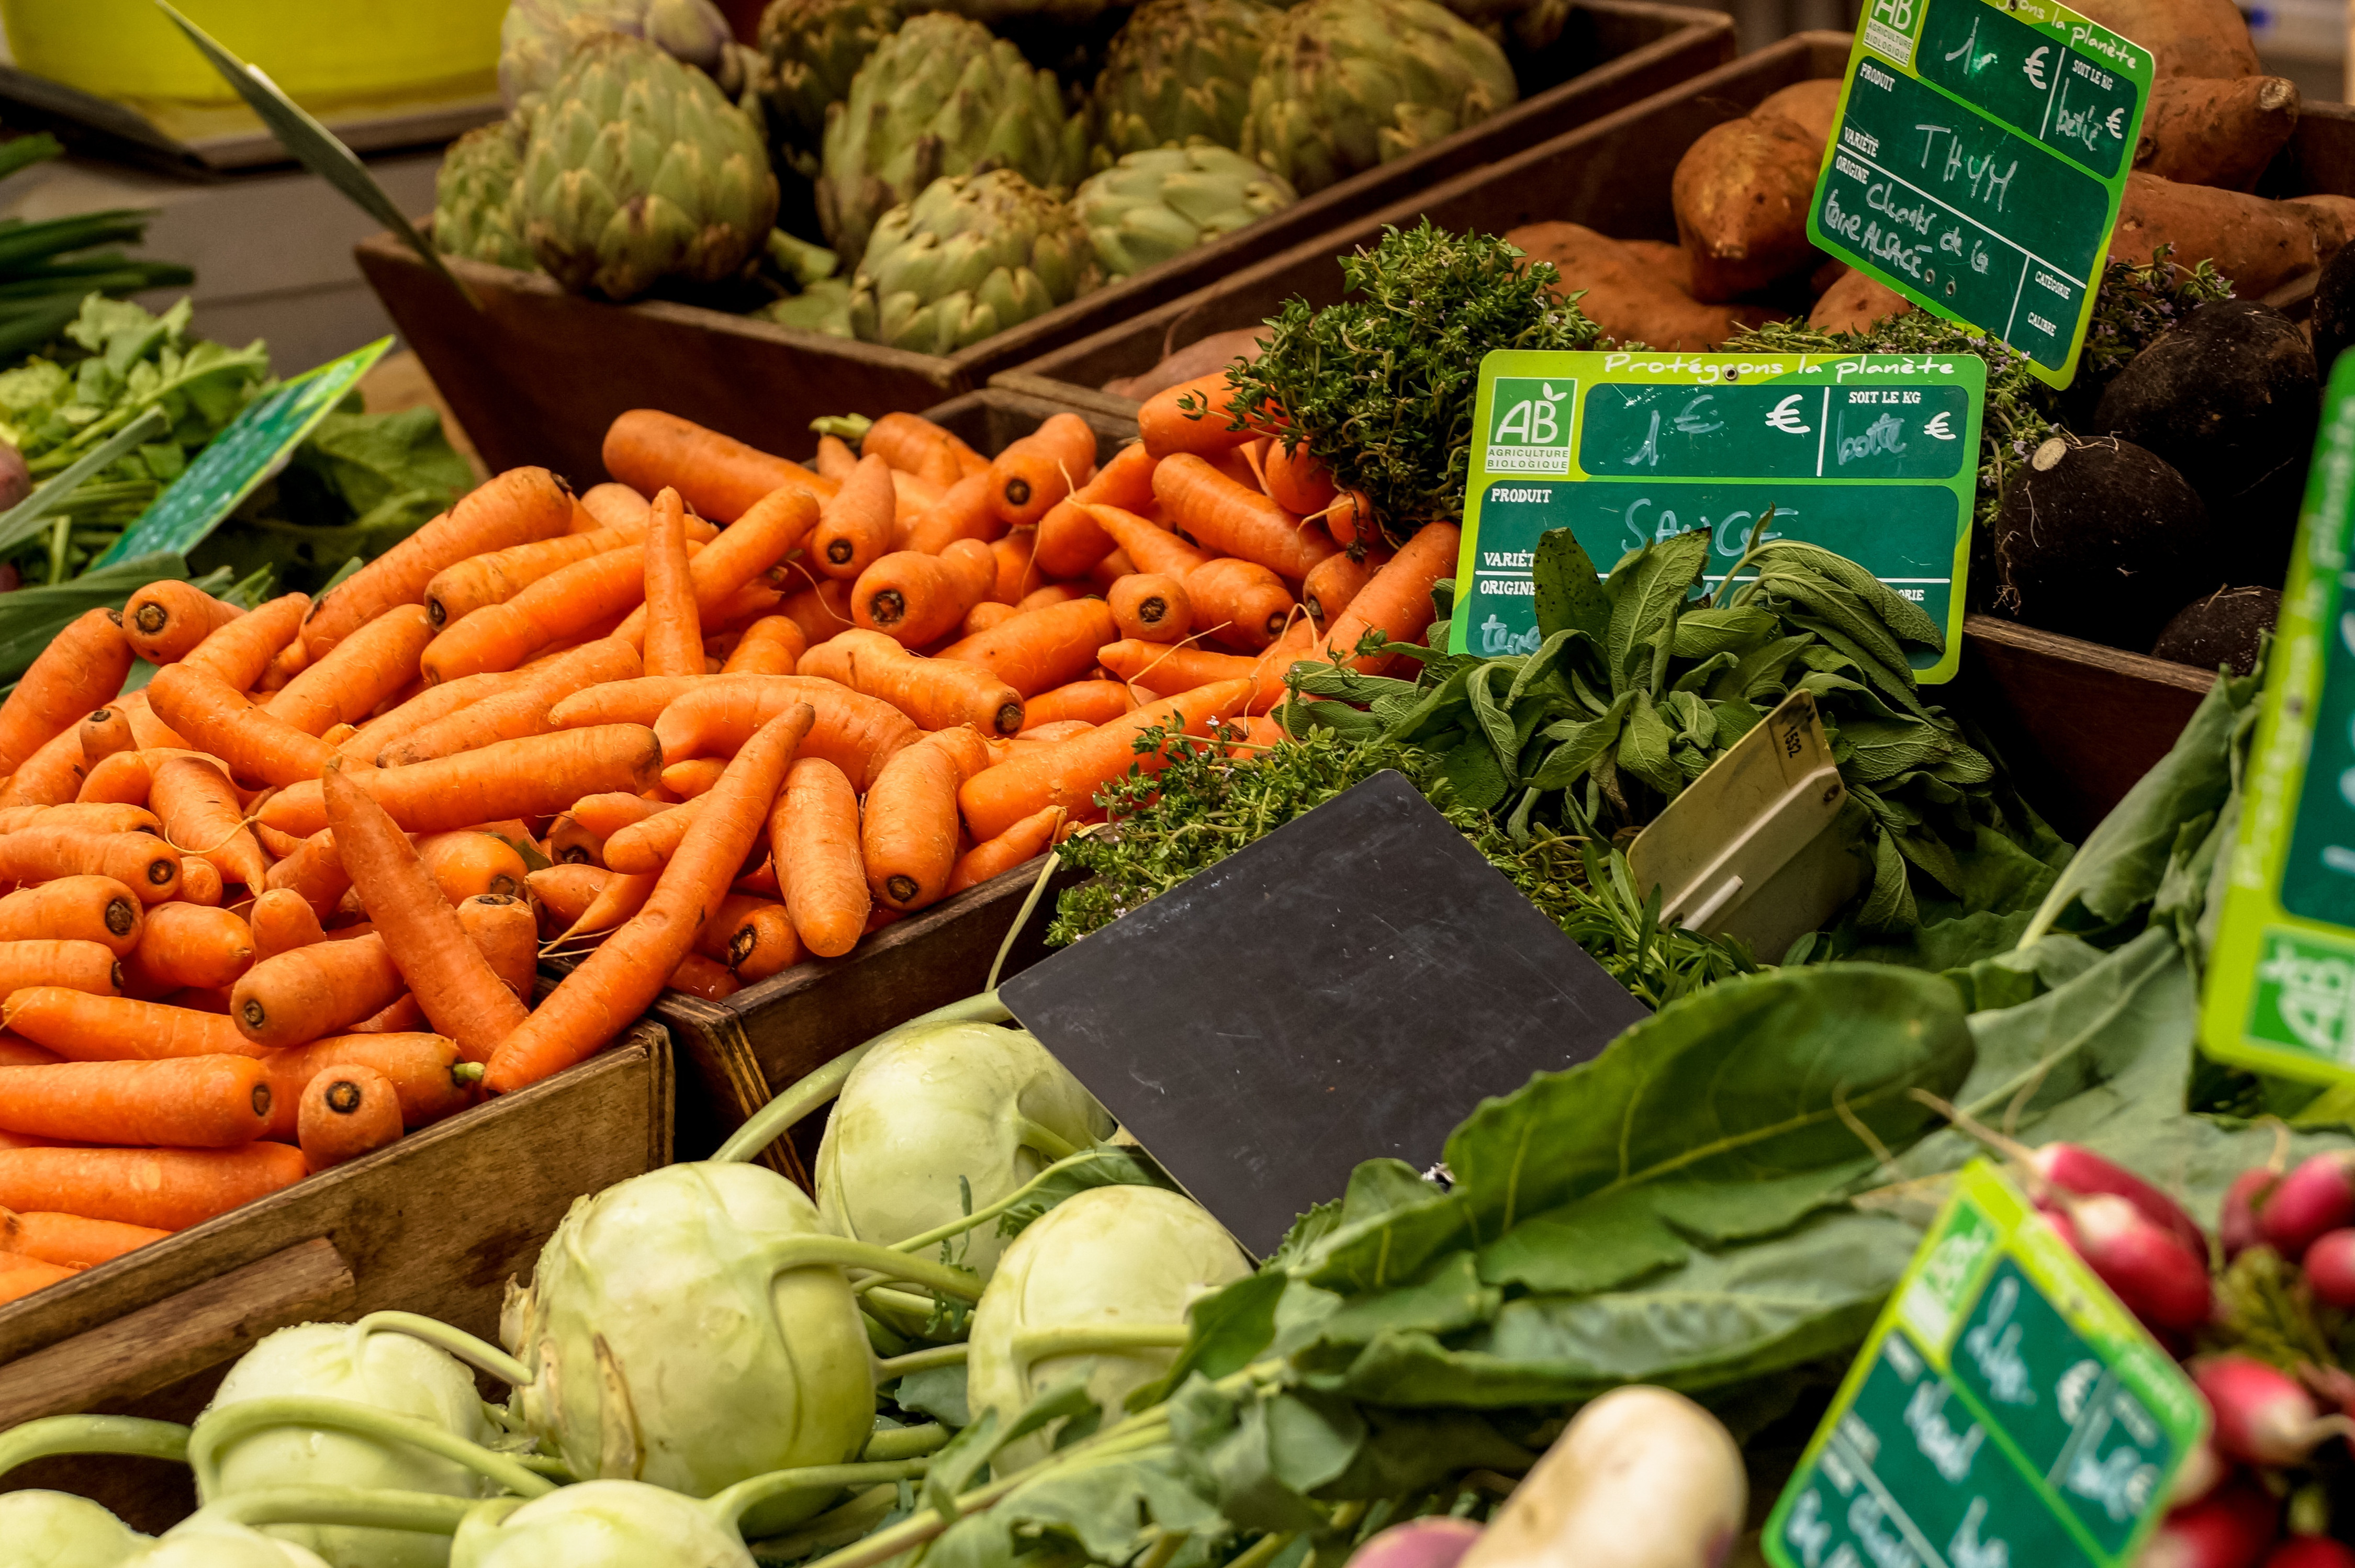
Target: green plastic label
{"points": [[255, 446], [2006, 1411], [2281, 973], [1977, 161], [1874, 456]]}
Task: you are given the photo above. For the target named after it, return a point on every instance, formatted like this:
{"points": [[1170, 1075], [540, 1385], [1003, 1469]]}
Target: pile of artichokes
{"points": [[959, 188]]}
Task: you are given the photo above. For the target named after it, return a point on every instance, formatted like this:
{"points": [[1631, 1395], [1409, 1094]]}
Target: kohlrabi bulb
{"points": [[58, 1529], [1122, 1260], [971, 1100], [599, 1524], [210, 1543], [666, 1345], [386, 1371]]}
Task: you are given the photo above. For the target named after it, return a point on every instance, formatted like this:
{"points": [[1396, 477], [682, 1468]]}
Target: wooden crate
{"points": [[437, 1223], [537, 374]]}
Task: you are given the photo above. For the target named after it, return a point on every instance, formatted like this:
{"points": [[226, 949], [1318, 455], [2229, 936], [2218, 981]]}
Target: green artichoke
{"points": [[812, 50], [639, 170], [478, 197], [1347, 84], [537, 37], [967, 258], [1181, 68], [940, 96], [1155, 205], [824, 306]]}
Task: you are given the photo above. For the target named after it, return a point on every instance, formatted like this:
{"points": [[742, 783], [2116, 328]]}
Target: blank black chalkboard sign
{"points": [[1349, 987]]}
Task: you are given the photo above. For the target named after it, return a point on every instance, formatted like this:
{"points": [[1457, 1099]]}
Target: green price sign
{"points": [[2281, 985], [1874, 456], [255, 446], [1977, 161], [2005, 1411]]}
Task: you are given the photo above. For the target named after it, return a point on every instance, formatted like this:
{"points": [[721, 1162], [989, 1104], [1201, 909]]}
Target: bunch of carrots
{"points": [[288, 899]]}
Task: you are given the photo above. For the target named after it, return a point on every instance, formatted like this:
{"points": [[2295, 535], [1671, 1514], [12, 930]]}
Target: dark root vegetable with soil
{"points": [[2225, 627], [2099, 539]]}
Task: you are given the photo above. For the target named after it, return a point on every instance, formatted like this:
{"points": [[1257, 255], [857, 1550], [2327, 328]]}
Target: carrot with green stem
{"points": [[1239, 603], [79, 1027], [537, 776], [615, 983], [814, 837], [854, 528], [1071, 538], [358, 674], [167, 1188], [254, 744], [70, 1241], [452, 981], [517, 507], [918, 599], [183, 945], [82, 668], [429, 1077], [103, 733], [1396, 601], [200, 815], [523, 707], [1234, 520], [141, 861], [308, 992], [1070, 773], [1090, 701], [1022, 842], [720, 476], [673, 628], [935, 693], [74, 909], [186, 1102], [1042, 649], [164, 620]]}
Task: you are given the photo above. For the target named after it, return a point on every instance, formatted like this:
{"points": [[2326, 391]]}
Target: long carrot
{"points": [[567, 603], [308, 992], [281, 921], [617, 982], [497, 575], [537, 776], [79, 1027], [855, 732], [935, 693], [1239, 603], [854, 528], [186, 1102], [200, 814], [1040, 469], [82, 667], [121, 778], [647, 845], [429, 705], [813, 836], [254, 744], [62, 961], [1148, 545], [610, 505], [345, 1112], [167, 1188], [508, 933], [1397, 600], [1070, 773], [1023, 841], [184, 945], [75, 908], [1070, 539], [52, 776], [1039, 649], [428, 1075], [1234, 520], [314, 872], [622, 701], [1194, 416], [522, 708], [351, 680], [565, 892], [239, 651], [164, 620], [820, 610], [517, 507], [961, 512], [89, 818], [19, 1053], [720, 476], [1093, 702], [919, 599], [70, 1241], [141, 861], [907, 827], [771, 645], [673, 628]]}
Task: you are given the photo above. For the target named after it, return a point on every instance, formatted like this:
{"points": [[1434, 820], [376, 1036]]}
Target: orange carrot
{"points": [[315, 874], [123, 779], [1040, 648], [428, 1076], [90, 818], [537, 776], [984, 615], [565, 892], [1397, 600], [141, 861], [452, 980], [167, 1188], [856, 732], [569, 844], [1070, 773], [188, 1102], [735, 578], [835, 458], [78, 1027], [1046, 734], [699, 976], [62, 962], [907, 827], [1296, 480], [936, 694], [610, 505], [1111, 570], [517, 507], [200, 883], [466, 863], [617, 982], [200, 815], [694, 777], [503, 927], [1239, 603], [72, 1242], [401, 1015], [1335, 580], [1152, 606], [349, 680], [308, 992], [497, 575], [719, 476], [105, 732], [1194, 416], [607, 814], [76, 909], [428, 705], [1152, 547], [771, 645], [854, 528], [918, 599], [1033, 473], [1235, 519], [820, 610], [674, 630], [239, 651], [1070, 539], [83, 666], [280, 922], [1167, 671], [567, 603], [814, 835], [753, 936], [254, 744], [1093, 702], [1018, 569], [1024, 841], [164, 620], [52, 776], [291, 661], [913, 444], [1348, 517], [622, 700], [961, 512], [648, 844], [523, 708], [184, 945], [347, 1111]]}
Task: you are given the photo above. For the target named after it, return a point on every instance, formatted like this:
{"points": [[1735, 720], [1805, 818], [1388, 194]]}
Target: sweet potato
{"points": [[1855, 302], [2208, 132], [2258, 244], [2185, 38], [1626, 296], [1810, 105], [1741, 192], [1670, 260], [2332, 219]]}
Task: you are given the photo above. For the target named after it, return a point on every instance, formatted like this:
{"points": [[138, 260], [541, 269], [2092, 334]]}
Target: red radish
{"points": [[2262, 1416], [2331, 1269], [2318, 1196], [2231, 1527], [2087, 1174], [2158, 1277], [2236, 1226], [2202, 1471], [2310, 1552], [1435, 1542]]}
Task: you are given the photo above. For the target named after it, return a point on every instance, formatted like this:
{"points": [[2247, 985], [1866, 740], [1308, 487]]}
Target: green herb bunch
{"points": [[1382, 385]]}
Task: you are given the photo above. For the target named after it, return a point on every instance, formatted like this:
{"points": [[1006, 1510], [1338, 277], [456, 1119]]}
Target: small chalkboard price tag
{"points": [[1874, 456], [2281, 973], [2006, 1412], [1978, 163], [255, 446]]}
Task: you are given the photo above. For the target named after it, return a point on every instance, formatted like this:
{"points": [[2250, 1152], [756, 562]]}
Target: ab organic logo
{"points": [[2303, 995], [1529, 426]]}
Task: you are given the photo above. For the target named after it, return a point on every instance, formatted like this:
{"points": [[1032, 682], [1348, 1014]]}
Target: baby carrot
{"points": [[771, 645], [70, 1241], [198, 810], [1335, 580], [504, 929], [355, 677], [167, 1188], [1024, 842], [706, 978], [164, 620], [1239, 603], [1068, 773], [719, 476], [281, 921], [347, 1111], [855, 528], [1396, 601], [1070, 539], [1234, 520], [185, 1102], [82, 668], [1151, 606], [856, 732], [814, 834], [537, 776], [629, 969], [674, 630], [79, 1027], [307, 992], [239, 651], [919, 599], [123, 779], [252, 742], [908, 828], [936, 694], [186, 944], [1192, 417], [522, 708], [141, 861], [1093, 702], [1031, 474], [76, 908], [1039, 649], [104, 732]]}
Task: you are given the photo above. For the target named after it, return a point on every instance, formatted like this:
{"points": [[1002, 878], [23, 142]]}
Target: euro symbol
{"points": [[2035, 64], [1938, 428], [2117, 128], [1785, 417]]}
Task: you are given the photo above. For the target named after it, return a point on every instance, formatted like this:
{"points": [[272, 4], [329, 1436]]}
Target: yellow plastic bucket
{"points": [[321, 52]]}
